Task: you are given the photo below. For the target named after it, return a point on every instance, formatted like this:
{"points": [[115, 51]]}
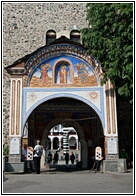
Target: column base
{"points": [[15, 167], [118, 165]]}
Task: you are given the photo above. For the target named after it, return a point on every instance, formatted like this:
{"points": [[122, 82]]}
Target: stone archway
{"points": [[28, 93], [78, 128]]}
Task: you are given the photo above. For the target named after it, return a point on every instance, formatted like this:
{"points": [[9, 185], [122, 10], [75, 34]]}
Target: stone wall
{"points": [[25, 25], [6, 106], [24, 30]]}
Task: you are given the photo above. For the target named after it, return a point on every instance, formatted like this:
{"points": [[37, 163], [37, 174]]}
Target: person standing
{"points": [[72, 158], [67, 157], [38, 150], [76, 158], [56, 157], [124, 155], [28, 163]]}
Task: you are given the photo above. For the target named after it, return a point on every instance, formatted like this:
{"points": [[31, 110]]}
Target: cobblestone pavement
{"points": [[71, 182]]}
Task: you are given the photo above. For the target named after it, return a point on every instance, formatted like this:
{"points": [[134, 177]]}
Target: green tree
{"points": [[109, 38]]}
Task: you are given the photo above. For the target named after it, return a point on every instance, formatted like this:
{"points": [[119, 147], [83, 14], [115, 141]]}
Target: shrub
{"points": [[5, 150]]}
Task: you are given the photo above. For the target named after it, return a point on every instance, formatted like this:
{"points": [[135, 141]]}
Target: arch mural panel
{"points": [[48, 65], [69, 71]]}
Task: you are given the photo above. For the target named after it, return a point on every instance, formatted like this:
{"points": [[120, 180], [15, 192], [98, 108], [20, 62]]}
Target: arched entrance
{"points": [[60, 82], [71, 113]]}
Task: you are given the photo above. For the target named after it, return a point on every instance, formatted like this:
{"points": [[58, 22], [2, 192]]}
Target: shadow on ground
{"points": [[63, 168]]}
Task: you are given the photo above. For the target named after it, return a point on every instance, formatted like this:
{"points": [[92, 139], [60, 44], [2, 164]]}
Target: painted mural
{"points": [[65, 71]]}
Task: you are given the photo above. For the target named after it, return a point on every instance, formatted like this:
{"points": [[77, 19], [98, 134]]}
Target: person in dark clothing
{"points": [[29, 164], [124, 155], [96, 165], [72, 158], [56, 157], [67, 157], [50, 157]]}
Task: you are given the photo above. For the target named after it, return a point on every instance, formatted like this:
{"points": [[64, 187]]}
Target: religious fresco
{"points": [[63, 71], [62, 74]]}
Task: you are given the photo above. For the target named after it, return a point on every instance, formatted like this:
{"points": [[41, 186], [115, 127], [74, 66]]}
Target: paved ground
{"points": [[70, 181]]}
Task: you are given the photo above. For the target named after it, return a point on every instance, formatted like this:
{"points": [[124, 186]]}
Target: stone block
{"points": [[110, 165], [122, 166], [15, 167], [5, 160], [118, 165]]}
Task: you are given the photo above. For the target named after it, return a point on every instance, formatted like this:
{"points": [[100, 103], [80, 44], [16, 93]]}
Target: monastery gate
{"points": [[60, 84]]}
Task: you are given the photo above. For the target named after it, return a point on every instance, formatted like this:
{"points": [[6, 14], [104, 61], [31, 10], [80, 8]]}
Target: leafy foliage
{"points": [[5, 150], [110, 39]]}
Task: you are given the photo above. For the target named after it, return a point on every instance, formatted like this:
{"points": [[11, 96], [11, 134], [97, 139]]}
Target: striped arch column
{"points": [[111, 135], [15, 107], [15, 119], [51, 143], [65, 143], [111, 109]]}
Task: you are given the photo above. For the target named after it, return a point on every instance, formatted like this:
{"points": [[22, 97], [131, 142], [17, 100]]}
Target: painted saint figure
{"points": [[63, 74], [44, 73], [82, 72]]}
